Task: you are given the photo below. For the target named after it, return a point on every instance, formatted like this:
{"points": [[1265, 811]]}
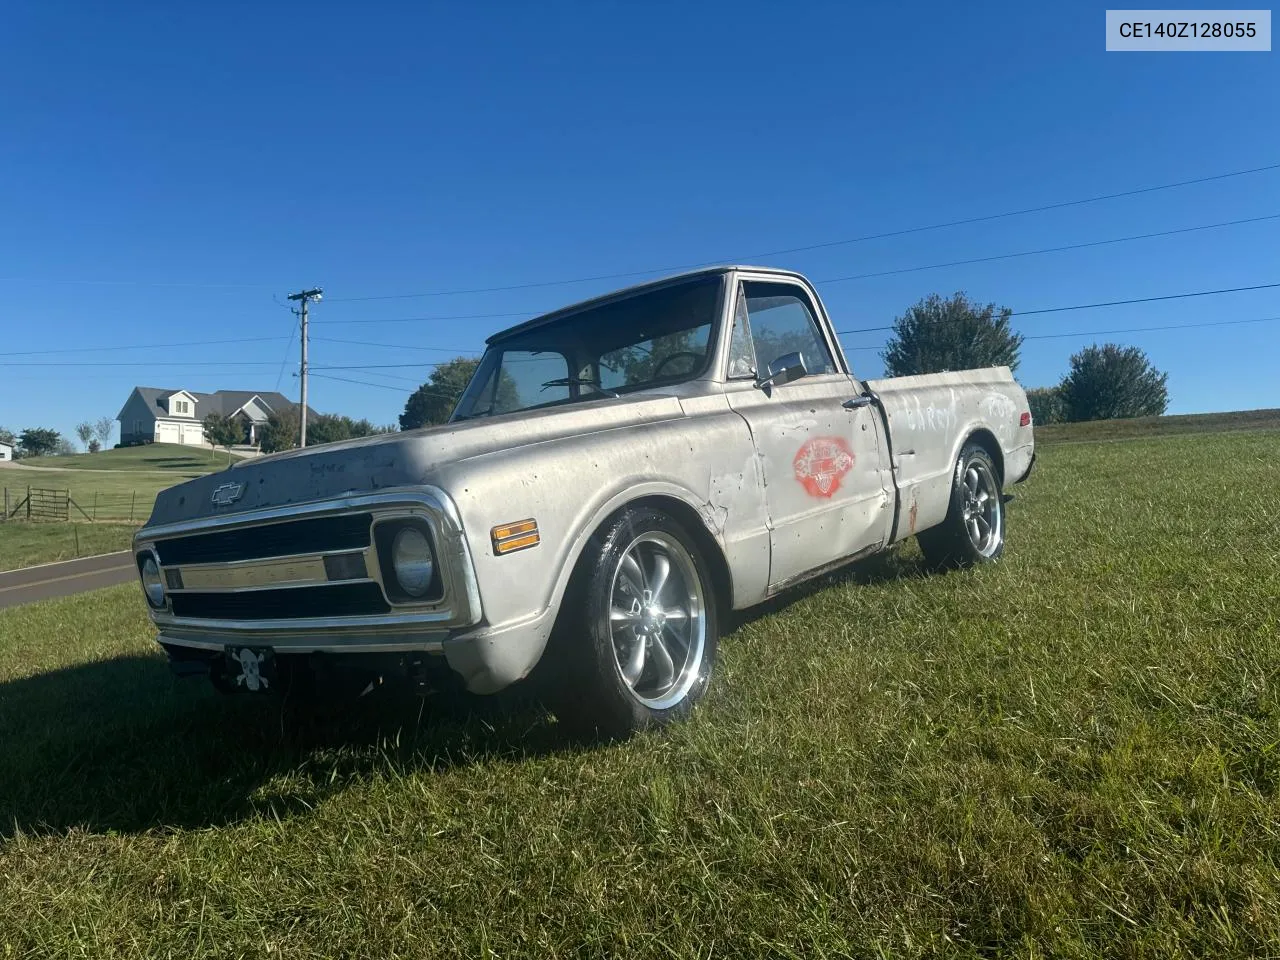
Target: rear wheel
{"points": [[636, 640], [973, 531]]}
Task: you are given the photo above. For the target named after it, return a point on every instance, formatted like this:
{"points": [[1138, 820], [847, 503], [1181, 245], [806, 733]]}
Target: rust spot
{"points": [[911, 516]]}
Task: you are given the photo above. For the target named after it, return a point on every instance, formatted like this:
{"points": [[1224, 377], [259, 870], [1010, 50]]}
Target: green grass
{"points": [[102, 496], [26, 544], [1073, 753], [166, 457], [115, 484], [1144, 427]]}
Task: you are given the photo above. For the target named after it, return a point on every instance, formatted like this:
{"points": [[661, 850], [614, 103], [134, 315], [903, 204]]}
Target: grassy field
{"points": [[26, 544], [1070, 754], [1147, 427], [163, 457], [115, 484]]}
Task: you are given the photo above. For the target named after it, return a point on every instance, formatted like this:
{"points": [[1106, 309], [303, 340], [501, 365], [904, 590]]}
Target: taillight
{"points": [[1025, 420]]}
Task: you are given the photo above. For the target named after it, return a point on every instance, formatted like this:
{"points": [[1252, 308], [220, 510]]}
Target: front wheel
{"points": [[973, 531], [637, 635]]}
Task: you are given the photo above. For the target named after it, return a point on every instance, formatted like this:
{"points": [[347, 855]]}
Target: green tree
{"points": [[280, 432], [332, 427], [936, 335], [85, 432], [39, 441], [223, 432], [6, 436], [1046, 405], [1112, 381], [434, 401]]}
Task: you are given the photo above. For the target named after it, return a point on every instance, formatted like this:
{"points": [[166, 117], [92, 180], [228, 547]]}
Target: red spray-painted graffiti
{"points": [[821, 463]]}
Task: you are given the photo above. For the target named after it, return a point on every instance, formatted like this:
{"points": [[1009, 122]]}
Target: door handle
{"points": [[854, 403]]}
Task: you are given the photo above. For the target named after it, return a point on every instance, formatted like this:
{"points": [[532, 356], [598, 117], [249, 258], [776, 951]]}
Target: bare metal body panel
{"points": [[780, 482]]}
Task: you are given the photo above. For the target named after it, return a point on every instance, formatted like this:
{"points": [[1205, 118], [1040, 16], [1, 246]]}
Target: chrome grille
{"points": [[290, 538]]}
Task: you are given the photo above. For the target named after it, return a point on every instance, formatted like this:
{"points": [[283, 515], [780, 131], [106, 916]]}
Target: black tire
{"points": [[597, 690], [974, 529]]}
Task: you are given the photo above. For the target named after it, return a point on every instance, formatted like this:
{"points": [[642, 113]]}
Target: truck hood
{"points": [[396, 459]]}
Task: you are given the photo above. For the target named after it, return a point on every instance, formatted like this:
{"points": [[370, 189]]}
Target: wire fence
{"points": [[36, 504]]}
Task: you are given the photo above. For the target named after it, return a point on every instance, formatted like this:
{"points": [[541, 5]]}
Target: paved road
{"points": [[66, 578]]}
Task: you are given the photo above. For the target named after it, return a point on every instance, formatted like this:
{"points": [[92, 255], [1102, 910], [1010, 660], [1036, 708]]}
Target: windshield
{"points": [[651, 339]]}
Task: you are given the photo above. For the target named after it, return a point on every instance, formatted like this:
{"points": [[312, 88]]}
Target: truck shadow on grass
{"points": [[122, 745]]}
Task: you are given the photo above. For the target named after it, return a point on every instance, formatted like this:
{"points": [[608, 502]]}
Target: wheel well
{"points": [[692, 521], [988, 442]]}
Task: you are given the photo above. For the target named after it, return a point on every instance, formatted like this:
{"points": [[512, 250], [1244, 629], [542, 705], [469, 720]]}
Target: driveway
{"points": [[65, 578]]}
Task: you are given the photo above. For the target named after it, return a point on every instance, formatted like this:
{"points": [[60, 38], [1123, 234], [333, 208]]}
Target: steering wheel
{"points": [[657, 371]]}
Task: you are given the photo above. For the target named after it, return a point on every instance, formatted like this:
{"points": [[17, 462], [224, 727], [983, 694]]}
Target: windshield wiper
{"points": [[579, 382]]}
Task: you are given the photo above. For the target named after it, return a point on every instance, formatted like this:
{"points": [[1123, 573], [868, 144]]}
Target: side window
{"points": [[742, 356], [781, 323], [522, 375]]}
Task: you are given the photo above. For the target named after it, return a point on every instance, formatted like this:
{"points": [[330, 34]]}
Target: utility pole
{"points": [[305, 296]]}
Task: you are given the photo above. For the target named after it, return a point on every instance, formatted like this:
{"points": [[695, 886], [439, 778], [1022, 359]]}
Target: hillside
{"points": [[167, 457], [1142, 427]]}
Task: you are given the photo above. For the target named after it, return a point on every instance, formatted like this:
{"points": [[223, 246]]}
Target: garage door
{"points": [[167, 432]]}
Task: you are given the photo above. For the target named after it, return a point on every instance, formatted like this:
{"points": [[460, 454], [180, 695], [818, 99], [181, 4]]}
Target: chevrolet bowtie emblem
{"points": [[227, 494]]}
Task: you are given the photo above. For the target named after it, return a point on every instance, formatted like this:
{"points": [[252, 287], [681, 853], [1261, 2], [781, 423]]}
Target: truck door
{"points": [[827, 486]]}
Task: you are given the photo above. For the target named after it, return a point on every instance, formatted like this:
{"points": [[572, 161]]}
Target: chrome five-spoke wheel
{"points": [[656, 619], [982, 510], [973, 530], [635, 644]]}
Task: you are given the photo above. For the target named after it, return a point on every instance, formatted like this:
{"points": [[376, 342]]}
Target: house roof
{"points": [[225, 402]]}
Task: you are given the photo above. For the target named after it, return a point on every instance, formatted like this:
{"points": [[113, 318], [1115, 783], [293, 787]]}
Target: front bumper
{"points": [[450, 629], [234, 584]]}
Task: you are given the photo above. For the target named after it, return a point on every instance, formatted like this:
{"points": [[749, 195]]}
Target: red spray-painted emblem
{"points": [[821, 463]]}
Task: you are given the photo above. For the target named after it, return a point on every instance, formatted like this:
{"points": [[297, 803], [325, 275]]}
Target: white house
{"points": [[153, 415], [6, 451]]}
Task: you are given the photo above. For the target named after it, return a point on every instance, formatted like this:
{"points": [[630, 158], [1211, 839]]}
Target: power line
{"points": [[138, 346], [1016, 313], [363, 383], [986, 218], [136, 283], [459, 316], [1090, 306], [396, 346], [1104, 333], [417, 381], [285, 359], [379, 366], [1031, 253], [1170, 326], [881, 273], [387, 386], [142, 363]]}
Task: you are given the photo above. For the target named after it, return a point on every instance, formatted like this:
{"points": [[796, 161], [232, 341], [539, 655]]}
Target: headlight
{"points": [[152, 585], [412, 561]]}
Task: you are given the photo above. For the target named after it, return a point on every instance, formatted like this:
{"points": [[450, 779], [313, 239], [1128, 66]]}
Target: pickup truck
{"points": [[616, 478]]}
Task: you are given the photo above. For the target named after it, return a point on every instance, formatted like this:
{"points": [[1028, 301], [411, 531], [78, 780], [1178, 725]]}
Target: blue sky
{"points": [[169, 174]]}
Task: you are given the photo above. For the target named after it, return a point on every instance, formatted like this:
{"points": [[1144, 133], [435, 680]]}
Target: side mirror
{"points": [[788, 367]]}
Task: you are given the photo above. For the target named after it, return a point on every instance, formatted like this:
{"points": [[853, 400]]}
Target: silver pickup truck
{"points": [[617, 477]]}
